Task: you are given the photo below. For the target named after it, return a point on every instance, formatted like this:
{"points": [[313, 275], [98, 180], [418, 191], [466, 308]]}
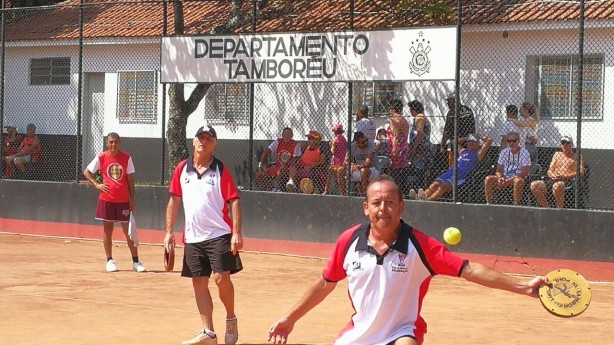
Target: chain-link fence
{"points": [[79, 71]]}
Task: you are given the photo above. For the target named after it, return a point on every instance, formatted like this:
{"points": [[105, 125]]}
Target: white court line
{"points": [[111, 303], [249, 251]]}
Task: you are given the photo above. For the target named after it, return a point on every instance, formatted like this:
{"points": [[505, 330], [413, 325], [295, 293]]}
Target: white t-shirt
{"points": [[509, 126], [513, 163], [366, 126]]}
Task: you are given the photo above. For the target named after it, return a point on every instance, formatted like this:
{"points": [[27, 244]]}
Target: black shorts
{"points": [[214, 255]]}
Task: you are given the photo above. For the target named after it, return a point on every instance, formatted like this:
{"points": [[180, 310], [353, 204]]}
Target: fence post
{"points": [[459, 25], [576, 181], [164, 32], [348, 170], [79, 97], [2, 23], [251, 110]]}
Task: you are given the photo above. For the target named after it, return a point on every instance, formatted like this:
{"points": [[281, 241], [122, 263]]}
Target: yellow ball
{"points": [[452, 236]]}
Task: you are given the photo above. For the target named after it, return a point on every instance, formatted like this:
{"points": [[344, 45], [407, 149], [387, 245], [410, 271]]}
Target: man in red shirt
{"points": [[28, 151], [389, 266], [116, 199], [10, 144], [286, 151]]}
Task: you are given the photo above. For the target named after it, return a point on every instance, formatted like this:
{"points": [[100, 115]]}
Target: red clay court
{"points": [[55, 291]]}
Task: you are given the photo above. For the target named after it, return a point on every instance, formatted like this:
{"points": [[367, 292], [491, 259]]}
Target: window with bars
{"points": [[137, 97], [552, 82], [227, 104], [50, 71], [376, 95]]}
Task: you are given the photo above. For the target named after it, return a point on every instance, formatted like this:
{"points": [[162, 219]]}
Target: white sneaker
{"points": [[111, 266], [290, 186], [412, 195], [232, 332], [138, 267], [201, 338], [421, 194]]}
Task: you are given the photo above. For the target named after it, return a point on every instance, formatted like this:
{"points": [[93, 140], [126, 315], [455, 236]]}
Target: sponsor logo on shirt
{"points": [[356, 266], [399, 265]]}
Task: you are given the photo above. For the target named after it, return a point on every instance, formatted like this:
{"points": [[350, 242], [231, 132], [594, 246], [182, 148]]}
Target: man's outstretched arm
{"points": [[315, 294]]}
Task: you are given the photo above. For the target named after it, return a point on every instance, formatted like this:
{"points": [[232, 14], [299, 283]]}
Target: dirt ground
{"points": [[55, 291]]}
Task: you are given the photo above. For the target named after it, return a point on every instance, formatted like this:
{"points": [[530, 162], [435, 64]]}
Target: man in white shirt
{"points": [[508, 126], [512, 169], [364, 124]]}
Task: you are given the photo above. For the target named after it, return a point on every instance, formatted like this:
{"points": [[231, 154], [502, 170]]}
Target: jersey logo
{"points": [[399, 265], [115, 171], [356, 266], [211, 179]]}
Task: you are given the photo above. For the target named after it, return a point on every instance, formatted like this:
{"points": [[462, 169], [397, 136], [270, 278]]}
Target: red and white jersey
{"points": [[114, 171], [205, 199], [387, 290]]}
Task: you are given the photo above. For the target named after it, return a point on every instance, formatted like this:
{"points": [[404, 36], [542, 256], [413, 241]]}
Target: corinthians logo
{"points": [[419, 63]]}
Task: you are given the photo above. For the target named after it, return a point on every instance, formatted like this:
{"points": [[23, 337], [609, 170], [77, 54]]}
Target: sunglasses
{"points": [[565, 142], [512, 140]]}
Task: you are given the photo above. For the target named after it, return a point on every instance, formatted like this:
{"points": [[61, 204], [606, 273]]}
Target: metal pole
{"points": [[78, 168], [251, 108], [3, 23], [580, 110], [348, 170], [459, 24], [163, 130]]}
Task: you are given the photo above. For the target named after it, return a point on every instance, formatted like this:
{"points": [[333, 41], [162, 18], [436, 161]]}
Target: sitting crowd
{"points": [[18, 150], [403, 150]]}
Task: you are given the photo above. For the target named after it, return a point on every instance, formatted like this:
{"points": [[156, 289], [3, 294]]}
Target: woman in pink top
{"points": [[339, 149]]}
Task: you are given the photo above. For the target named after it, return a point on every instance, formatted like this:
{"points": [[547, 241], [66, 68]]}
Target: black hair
{"points": [[417, 106]]}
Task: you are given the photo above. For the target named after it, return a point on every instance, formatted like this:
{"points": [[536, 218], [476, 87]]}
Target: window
{"points": [[50, 71], [137, 97], [227, 104], [552, 82], [376, 95]]}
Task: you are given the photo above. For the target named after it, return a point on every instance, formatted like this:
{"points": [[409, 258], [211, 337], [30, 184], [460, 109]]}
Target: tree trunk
{"points": [[180, 108], [179, 112]]}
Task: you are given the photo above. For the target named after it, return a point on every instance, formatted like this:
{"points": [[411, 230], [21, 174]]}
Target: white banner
{"points": [[402, 54]]}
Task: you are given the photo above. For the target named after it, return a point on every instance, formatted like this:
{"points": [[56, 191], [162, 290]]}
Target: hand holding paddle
{"points": [[169, 251], [568, 294]]}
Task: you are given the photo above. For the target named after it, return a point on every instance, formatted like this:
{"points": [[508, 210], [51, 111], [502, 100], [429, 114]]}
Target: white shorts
{"points": [[26, 158], [356, 175]]}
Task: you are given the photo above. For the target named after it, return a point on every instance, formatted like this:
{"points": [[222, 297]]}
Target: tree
{"points": [[181, 108]]}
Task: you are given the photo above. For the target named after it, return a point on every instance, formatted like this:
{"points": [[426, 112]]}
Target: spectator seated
{"points": [[313, 164]]}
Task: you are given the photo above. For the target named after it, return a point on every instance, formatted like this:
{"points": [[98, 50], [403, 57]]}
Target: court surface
{"points": [[55, 291]]}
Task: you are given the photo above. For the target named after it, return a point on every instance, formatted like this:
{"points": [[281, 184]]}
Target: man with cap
{"points": [[212, 237], [468, 160], [561, 173], [10, 144], [466, 126], [29, 150]]}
